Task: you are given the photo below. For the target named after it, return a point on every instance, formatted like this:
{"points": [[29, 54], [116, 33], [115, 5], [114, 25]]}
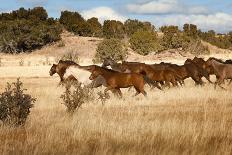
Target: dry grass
{"points": [[180, 120], [188, 120]]}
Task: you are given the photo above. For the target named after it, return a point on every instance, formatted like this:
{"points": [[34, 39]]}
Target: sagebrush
{"points": [[75, 95], [113, 49], [15, 104]]}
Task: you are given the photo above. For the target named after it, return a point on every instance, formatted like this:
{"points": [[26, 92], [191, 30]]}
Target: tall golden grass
{"points": [[188, 120]]}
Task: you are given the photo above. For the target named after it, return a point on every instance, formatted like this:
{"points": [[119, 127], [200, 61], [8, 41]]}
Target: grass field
{"points": [[190, 119]]}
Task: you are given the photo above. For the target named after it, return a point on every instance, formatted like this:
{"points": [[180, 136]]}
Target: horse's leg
{"points": [[174, 83], [220, 82], [230, 82], [117, 92], [107, 89]]}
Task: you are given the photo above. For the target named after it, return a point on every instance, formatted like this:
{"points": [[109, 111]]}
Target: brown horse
{"points": [[60, 69], [135, 65], [196, 72], [116, 80], [221, 70], [71, 71], [162, 75], [157, 75]]}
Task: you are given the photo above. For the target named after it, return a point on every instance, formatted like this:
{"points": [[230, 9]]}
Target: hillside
{"points": [[85, 47]]}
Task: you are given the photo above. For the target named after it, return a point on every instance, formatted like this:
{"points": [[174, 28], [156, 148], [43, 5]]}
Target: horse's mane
{"points": [[106, 69], [218, 60]]}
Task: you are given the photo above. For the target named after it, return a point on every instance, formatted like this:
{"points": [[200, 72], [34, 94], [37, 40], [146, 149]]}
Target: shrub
{"points": [[172, 37], [143, 42], [15, 104], [95, 26], [74, 22], [110, 49], [26, 30], [113, 29], [132, 26], [75, 95], [70, 56], [195, 47]]}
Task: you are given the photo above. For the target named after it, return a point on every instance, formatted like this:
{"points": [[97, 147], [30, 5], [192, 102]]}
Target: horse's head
{"points": [[53, 69], [188, 61], [95, 72], [208, 65], [108, 62]]}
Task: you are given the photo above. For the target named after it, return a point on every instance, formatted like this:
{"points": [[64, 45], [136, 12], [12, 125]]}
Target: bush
{"points": [[26, 30], [15, 104], [132, 26], [195, 47], [172, 37], [113, 29], [75, 95], [110, 49], [70, 56], [75, 23], [95, 26], [143, 42]]}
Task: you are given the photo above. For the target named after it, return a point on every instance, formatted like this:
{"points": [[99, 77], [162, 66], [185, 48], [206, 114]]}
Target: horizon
{"points": [[207, 15]]}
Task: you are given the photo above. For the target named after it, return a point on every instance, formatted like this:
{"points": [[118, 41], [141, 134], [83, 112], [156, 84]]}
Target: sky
{"points": [[206, 14]]}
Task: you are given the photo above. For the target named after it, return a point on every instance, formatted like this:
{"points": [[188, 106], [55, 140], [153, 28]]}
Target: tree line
{"points": [[24, 30]]}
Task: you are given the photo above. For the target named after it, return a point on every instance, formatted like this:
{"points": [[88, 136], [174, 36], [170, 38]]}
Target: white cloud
{"points": [[221, 22], [103, 13], [165, 7]]}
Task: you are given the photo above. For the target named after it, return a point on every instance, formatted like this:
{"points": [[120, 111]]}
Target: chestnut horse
{"points": [[71, 71], [116, 80], [60, 69], [158, 75]]}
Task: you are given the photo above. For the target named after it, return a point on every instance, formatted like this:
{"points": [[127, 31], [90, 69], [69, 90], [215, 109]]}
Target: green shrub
{"points": [[95, 26], [110, 48], [75, 95], [143, 42], [75, 23], [15, 104], [132, 26], [27, 30], [113, 29]]}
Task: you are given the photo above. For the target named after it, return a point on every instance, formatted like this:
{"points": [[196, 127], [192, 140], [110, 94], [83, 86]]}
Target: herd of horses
{"points": [[115, 75]]}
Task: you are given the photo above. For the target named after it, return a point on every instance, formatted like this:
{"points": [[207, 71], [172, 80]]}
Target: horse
{"points": [[196, 72], [60, 69], [71, 71], [162, 75], [114, 65], [157, 75], [116, 80], [221, 70], [119, 67]]}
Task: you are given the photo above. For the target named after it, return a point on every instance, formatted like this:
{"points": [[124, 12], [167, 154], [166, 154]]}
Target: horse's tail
{"points": [[151, 82]]}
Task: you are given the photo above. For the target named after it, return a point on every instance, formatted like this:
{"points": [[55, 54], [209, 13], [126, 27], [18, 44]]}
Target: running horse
{"points": [[221, 70], [116, 80], [71, 71]]}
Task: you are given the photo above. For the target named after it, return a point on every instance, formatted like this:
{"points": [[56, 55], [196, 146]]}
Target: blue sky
{"points": [[207, 14]]}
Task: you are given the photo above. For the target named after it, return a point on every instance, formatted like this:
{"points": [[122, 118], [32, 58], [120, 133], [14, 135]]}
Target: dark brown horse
{"points": [[221, 70], [157, 75], [196, 72], [116, 80]]}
